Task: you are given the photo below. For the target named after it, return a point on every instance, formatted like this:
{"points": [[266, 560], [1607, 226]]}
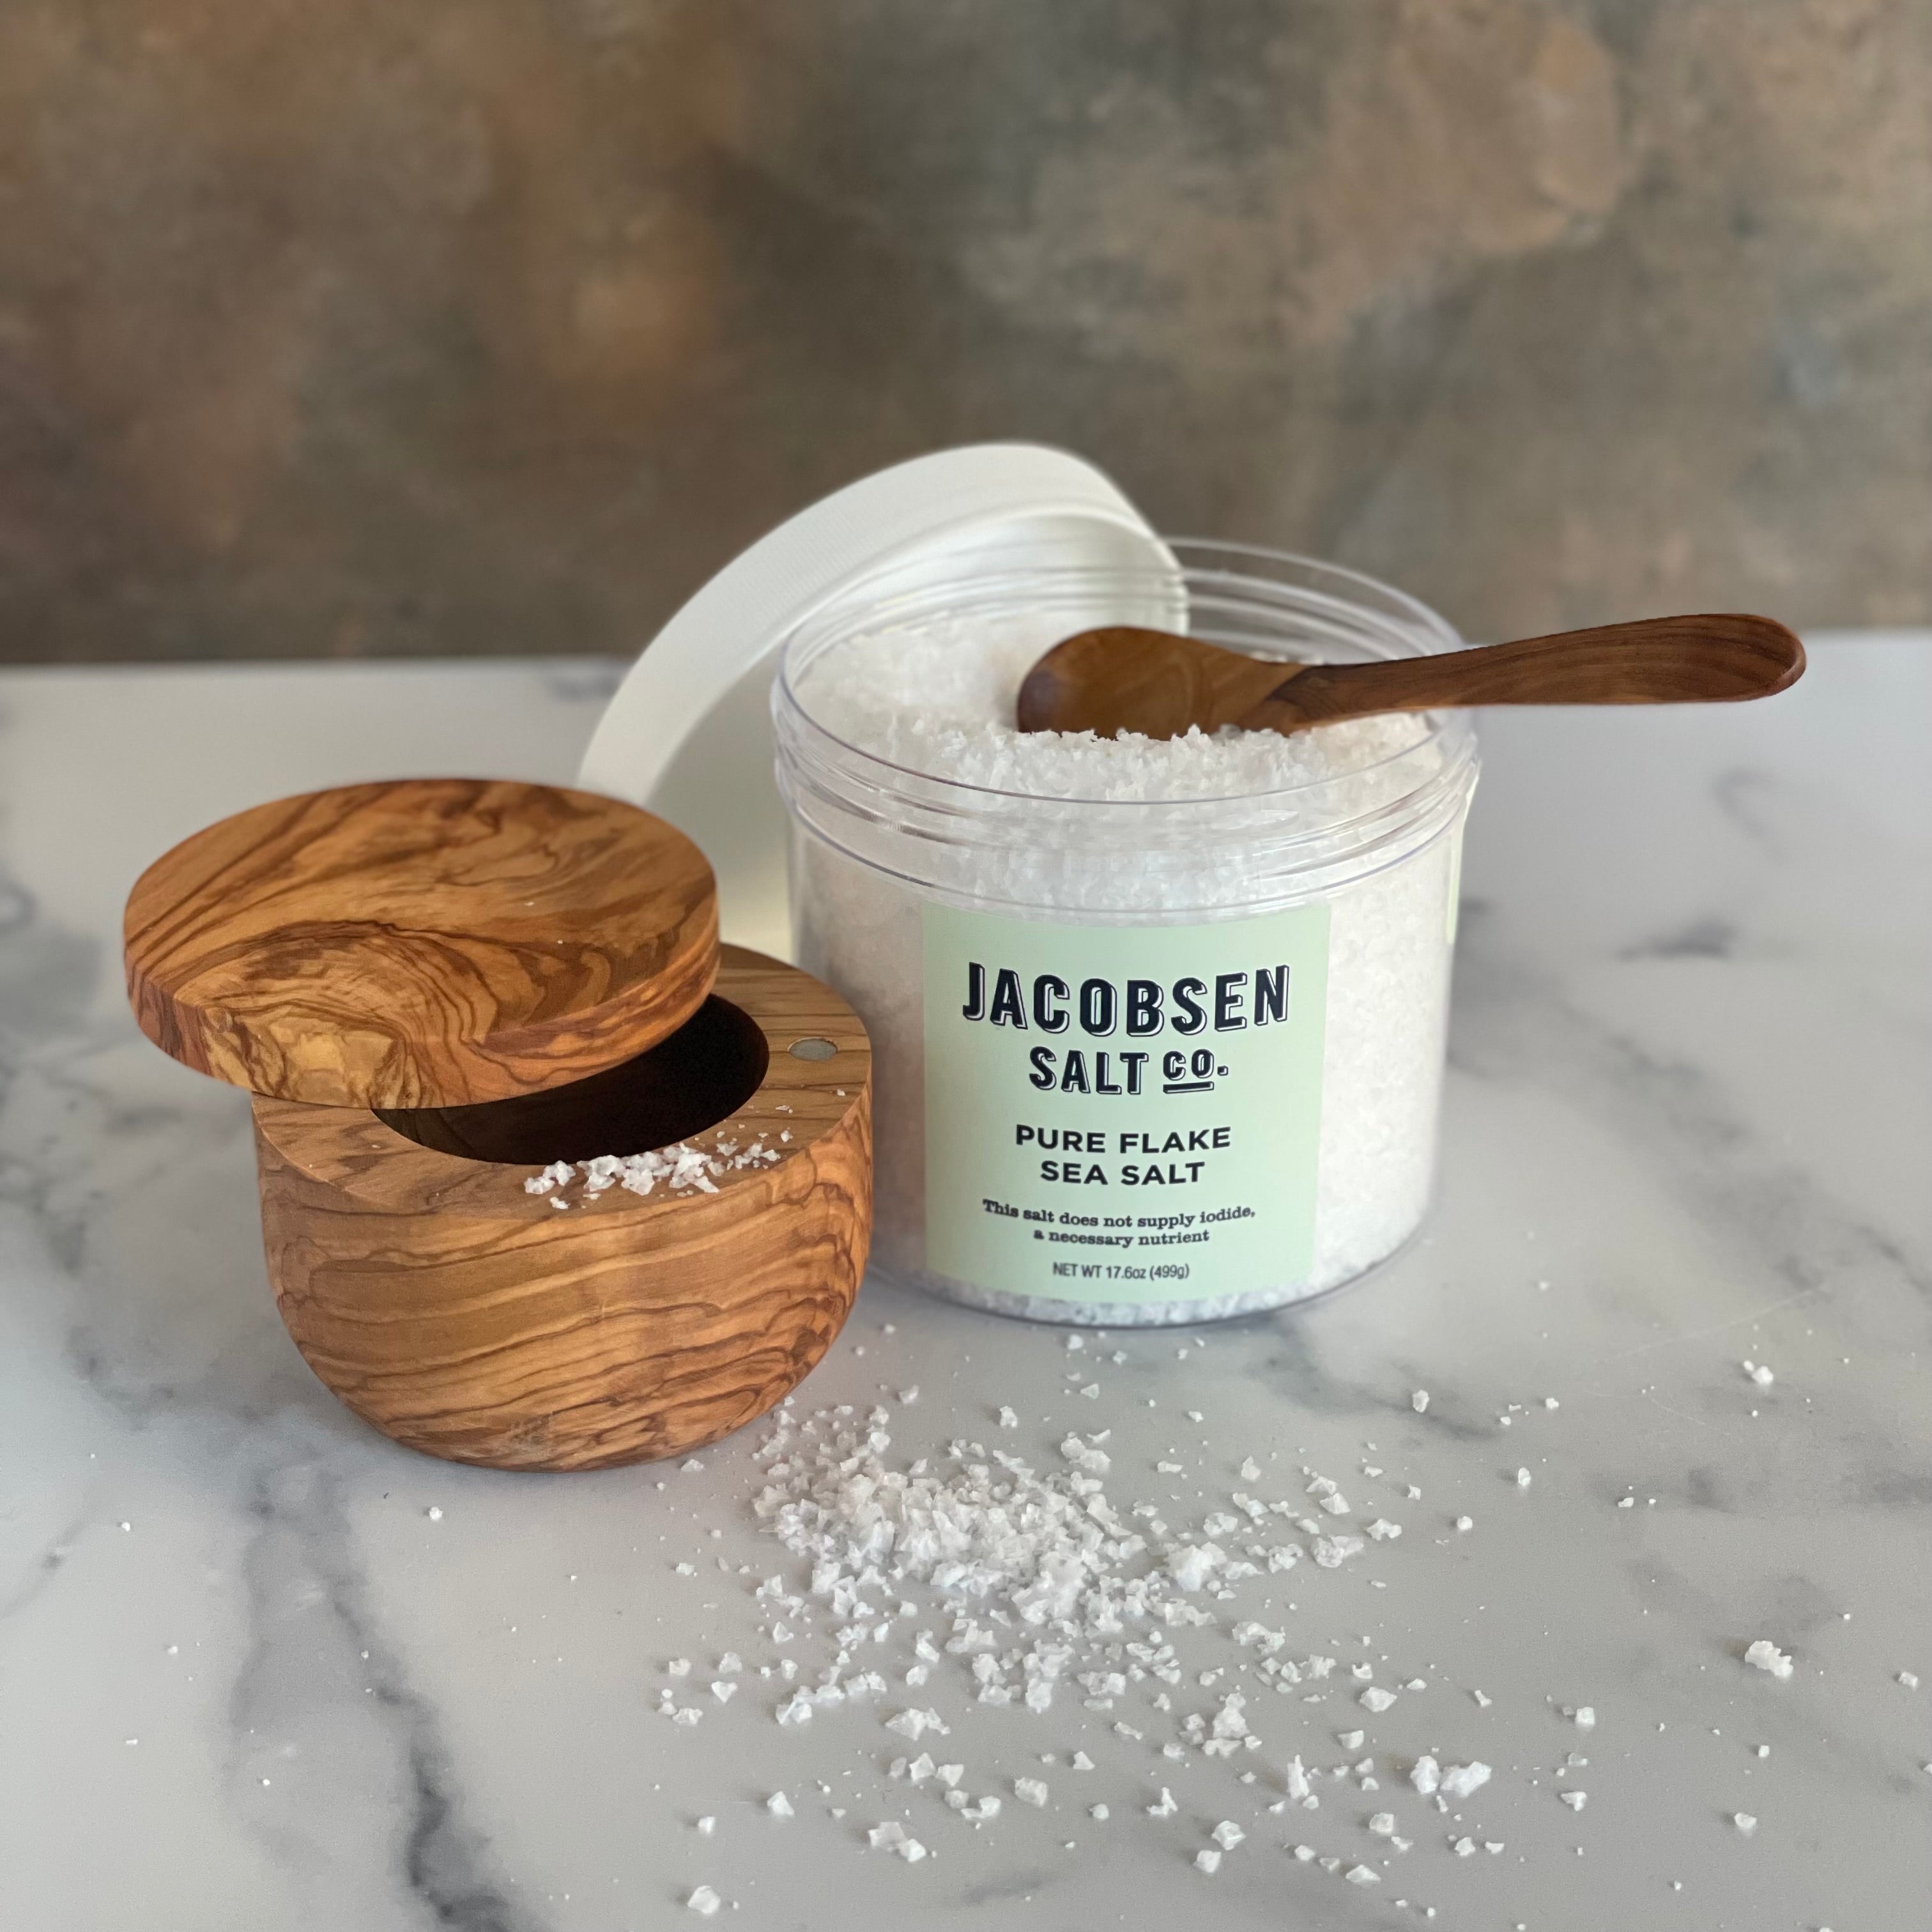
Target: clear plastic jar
{"points": [[1230, 1009]]}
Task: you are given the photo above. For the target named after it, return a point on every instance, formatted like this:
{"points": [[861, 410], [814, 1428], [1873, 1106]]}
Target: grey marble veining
{"points": [[247, 1684]]}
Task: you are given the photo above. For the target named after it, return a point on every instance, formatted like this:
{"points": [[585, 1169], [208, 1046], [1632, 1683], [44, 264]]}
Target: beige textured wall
{"points": [[426, 325]]}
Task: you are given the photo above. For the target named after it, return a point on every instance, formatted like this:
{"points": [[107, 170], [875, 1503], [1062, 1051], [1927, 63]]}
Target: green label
{"points": [[1123, 1114]]}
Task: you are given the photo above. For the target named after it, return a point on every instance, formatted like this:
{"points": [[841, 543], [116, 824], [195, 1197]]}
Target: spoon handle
{"points": [[1715, 657]]}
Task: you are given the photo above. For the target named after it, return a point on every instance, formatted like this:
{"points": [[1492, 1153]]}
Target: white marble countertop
{"points": [[247, 1683]]}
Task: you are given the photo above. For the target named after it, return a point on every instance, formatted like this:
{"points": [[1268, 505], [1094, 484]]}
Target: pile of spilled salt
{"points": [[935, 699], [971, 1576], [682, 1169], [1039, 1571]]}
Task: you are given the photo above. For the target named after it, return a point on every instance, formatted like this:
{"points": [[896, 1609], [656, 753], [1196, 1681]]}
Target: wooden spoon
{"points": [[1123, 679]]}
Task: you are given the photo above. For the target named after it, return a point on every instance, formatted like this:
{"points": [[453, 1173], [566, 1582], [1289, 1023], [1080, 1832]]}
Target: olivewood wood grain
{"points": [[1122, 678], [464, 1317], [1718, 658], [420, 943]]}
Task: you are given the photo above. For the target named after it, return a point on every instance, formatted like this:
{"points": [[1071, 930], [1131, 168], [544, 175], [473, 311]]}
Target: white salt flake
{"points": [[779, 1805], [1465, 1523], [1460, 1781], [1207, 1861], [1744, 1822], [914, 1724], [1523, 1479], [1910, 1678], [1193, 1564], [1166, 1808], [1332, 1552], [1030, 1791], [1576, 1800], [1362, 1875], [1375, 1699], [1426, 1774], [1584, 1716], [1383, 1824], [1766, 1656], [703, 1901]]}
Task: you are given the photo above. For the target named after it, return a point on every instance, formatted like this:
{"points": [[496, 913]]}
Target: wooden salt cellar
{"points": [[436, 988]]}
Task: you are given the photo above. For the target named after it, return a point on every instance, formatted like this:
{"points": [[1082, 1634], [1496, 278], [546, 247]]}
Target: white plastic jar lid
{"points": [[688, 733]]}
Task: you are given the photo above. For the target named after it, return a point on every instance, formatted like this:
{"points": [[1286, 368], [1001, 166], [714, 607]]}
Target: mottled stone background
{"points": [[456, 326]]}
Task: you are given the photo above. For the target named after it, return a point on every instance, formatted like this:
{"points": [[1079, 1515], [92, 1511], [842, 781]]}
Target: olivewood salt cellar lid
{"points": [[426, 942]]}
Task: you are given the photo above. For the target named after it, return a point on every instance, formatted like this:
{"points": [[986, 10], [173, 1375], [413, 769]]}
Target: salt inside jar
{"points": [[1158, 1027]]}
